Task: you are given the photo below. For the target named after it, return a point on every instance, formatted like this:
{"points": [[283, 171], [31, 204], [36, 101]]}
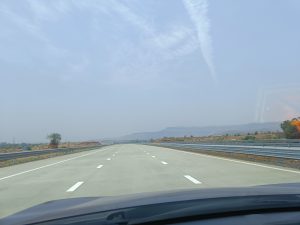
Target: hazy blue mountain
{"points": [[204, 131]]}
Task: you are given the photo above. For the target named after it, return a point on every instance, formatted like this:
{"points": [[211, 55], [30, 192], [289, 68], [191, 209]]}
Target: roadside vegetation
{"points": [[11, 162], [54, 142], [6, 147], [226, 137], [55, 139], [290, 130]]}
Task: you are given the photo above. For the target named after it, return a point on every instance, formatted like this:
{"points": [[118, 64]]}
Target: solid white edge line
{"points": [[52, 164], [100, 166], [195, 181], [163, 162], [75, 186], [238, 161]]}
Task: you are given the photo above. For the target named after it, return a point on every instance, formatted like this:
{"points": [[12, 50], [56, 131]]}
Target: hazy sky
{"points": [[92, 69]]}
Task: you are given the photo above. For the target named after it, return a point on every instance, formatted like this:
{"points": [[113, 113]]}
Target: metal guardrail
{"points": [[15, 155], [278, 152], [274, 143], [270, 143]]}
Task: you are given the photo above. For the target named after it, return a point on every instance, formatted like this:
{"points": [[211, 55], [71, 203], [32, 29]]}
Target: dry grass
{"points": [[223, 138]]}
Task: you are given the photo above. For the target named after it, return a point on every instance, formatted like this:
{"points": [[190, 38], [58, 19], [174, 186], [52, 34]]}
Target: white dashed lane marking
{"points": [[75, 186], [195, 181]]}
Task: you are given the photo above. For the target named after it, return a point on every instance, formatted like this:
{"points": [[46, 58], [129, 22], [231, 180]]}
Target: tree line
{"points": [[291, 128]]}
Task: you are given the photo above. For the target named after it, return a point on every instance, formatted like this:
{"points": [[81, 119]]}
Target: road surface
{"points": [[127, 169]]}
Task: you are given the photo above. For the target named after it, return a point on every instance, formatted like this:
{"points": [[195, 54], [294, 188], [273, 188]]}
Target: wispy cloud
{"points": [[131, 16], [22, 23], [41, 11], [91, 5], [80, 66], [177, 42], [50, 10], [174, 42], [31, 28], [151, 48], [197, 10]]}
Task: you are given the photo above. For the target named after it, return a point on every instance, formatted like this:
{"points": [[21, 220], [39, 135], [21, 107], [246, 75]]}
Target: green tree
{"points": [[249, 137], [290, 131], [55, 139]]}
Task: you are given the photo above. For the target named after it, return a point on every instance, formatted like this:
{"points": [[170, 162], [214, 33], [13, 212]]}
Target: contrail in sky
{"points": [[197, 10]]}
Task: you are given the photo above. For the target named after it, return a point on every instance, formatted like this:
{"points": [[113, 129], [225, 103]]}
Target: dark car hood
{"points": [[79, 206]]}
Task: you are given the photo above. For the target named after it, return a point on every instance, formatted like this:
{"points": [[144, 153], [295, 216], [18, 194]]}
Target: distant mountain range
{"points": [[204, 131]]}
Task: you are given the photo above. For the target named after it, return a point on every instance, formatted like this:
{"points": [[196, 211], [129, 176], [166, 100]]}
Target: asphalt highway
{"points": [[126, 169]]}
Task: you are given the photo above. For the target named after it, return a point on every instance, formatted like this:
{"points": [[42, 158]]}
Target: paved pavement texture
{"points": [[127, 169]]}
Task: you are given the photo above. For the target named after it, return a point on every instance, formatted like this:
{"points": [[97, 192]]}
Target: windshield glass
{"points": [[117, 97]]}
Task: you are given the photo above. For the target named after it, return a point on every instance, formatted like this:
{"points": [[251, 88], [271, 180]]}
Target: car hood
{"points": [[85, 205]]}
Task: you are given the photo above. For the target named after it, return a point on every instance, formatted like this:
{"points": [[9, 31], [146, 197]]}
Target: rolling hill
{"points": [[204, 131]]}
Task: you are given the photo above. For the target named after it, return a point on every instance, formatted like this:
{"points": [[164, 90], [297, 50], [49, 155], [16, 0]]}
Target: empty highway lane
{"points": [[127, 169]]}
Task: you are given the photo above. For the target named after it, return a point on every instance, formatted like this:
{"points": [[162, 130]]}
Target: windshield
{"points": [[117, 97]]}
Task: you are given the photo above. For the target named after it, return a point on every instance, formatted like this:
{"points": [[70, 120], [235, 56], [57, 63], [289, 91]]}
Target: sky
{"points": [[96, 69]]}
